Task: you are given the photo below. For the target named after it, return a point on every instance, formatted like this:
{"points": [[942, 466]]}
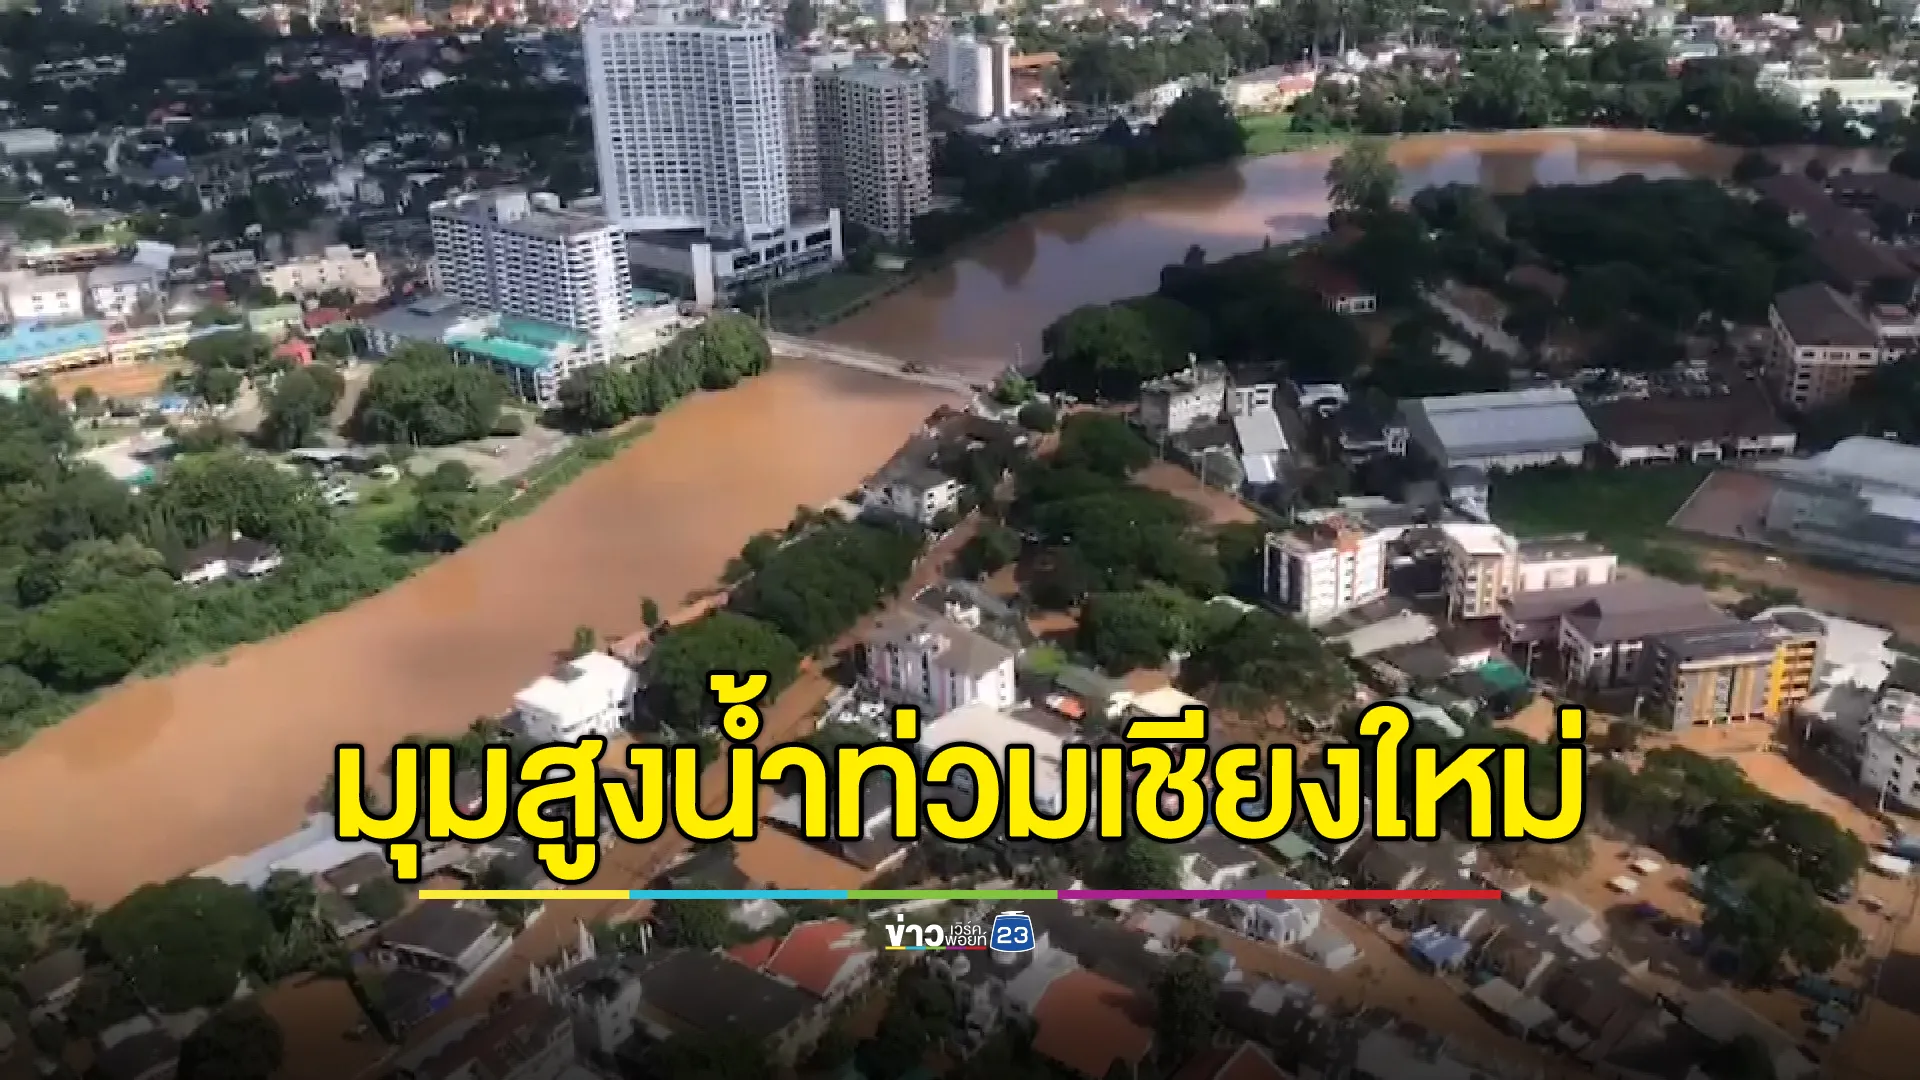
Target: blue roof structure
{"points": [[1437, 948], [28, 342]]}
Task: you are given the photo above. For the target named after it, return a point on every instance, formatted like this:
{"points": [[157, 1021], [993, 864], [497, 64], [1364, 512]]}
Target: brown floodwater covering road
{"points": [[168, 775], [164, 776]]}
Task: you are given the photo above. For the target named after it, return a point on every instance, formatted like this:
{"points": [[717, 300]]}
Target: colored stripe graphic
{"points": [[844, 895]]}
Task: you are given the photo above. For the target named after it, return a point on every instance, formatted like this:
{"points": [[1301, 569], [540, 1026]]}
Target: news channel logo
{"points": [[1009, 932]]}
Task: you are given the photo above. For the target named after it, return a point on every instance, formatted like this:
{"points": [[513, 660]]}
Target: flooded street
{"points": [[222, 757]]}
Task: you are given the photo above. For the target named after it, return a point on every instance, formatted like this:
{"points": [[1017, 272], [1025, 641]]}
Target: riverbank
{"points": [[810, 306], [162, 776]]}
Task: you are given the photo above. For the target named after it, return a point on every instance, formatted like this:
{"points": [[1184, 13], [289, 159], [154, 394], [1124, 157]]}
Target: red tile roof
{"points": [[755, 954], [1086, 1022], [814, 954], [325, 316]]}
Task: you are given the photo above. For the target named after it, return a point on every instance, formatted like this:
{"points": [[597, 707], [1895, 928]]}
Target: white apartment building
{"points": [[121, 290], [35, 297], [939, 663], [691, 135], [1328, 568], [591, 695], [1860, 96], [1485, 566], [338, 267], [522, 255], [977, 75], [1890, 749], [687, 125]]}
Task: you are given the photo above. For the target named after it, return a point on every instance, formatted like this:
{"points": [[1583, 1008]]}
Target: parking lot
{"points": [[494, 459]]}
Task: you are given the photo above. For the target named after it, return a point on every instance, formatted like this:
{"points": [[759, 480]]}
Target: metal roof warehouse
{"points": [[1511, 430]]}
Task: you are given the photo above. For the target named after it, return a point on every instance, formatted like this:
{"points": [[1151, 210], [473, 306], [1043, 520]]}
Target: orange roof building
{"points": [[1087, 1022]]}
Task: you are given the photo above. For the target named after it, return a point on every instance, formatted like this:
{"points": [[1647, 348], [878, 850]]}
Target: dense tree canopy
{"points": [[1265, 661], [35, 919], [240, 1042], [715, 355], [816, 587], [184, 943], [420, 397], [677, 692]]}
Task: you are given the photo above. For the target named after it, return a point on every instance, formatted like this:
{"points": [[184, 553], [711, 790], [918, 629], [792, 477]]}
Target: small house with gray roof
{"points": [[1516, 429], [1598, 631]]}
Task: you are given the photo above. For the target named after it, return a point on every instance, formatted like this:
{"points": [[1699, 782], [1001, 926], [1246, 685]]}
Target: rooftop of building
{"points": [[712, 993], [1854, 259], [528, 344], [1795, 193], [1758, 637], [960, 647], [1088, 1024], [496, 1049], [1186, 379], [1815, 315], [581, 686], [1515, 421], [1624, 609], [1558, 548], [1870, 463], [28, 342], [1742, 413]]}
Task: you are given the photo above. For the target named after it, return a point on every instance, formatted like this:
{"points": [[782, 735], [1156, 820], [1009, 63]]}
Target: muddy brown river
{"points": [[161, 777]]}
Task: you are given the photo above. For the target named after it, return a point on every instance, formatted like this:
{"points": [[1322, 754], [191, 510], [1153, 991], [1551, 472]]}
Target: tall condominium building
{"points": [[687, 126], [524, 256], [883, 172], [977, 74], [858, 140]]}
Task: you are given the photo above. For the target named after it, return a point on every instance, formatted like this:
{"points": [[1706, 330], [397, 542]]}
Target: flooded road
{"points": [[162, 777]]}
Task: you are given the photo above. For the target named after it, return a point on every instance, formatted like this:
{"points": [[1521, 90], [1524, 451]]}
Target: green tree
{"points": [[1102, 443], [1135, 863], [713, 1056], [1038, 416], [1126, 631], [185, 943], [240, 1042], [438, 521], [801, 19], [1767, 915], [1184, 1014], [585, 640], [420, 397], [217, 385], [649, 613], [1362, 179], [300, 406], [817, 587], [694, 924], [380, 899], [35, 919], [1102, 351], [986, 551], [677, 692], [1265, 661], [80, 642]]}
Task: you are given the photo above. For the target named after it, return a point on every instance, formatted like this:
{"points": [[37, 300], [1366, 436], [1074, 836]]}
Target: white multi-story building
{"points": [[1859, 96], [996, 730], [687, 125], [591, 695], [691, 137], [977, 74], [1890, 749], [35, 297], [1328, 568], [1486, 566], [939, 662], [338, 267], [519, 254], [120, 290]]}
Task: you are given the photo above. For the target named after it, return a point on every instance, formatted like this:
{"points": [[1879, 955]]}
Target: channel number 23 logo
{"points": [[1012, 932]]}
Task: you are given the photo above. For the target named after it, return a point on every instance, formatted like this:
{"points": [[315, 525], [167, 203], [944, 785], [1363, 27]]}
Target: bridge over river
{"points": [[872, 362]]}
